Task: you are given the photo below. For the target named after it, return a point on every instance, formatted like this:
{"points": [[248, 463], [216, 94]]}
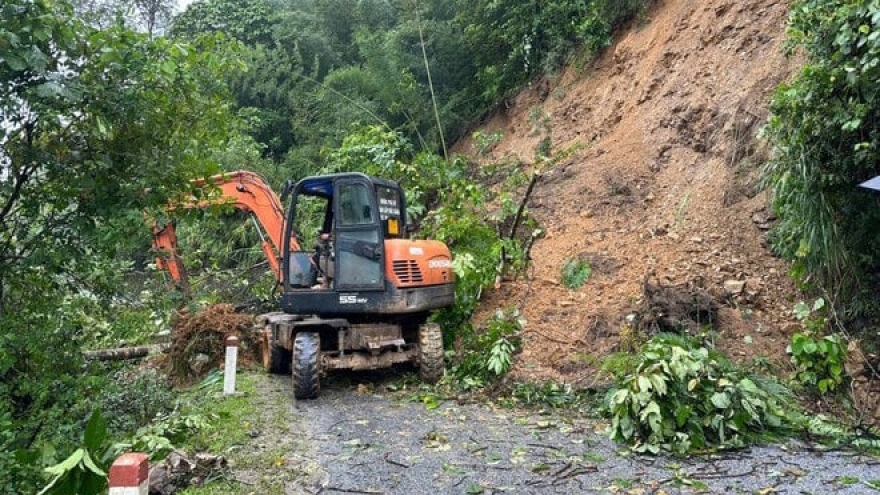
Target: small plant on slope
{"points": [[818, 359], [682, 397], [575, 273], [490, 351]]}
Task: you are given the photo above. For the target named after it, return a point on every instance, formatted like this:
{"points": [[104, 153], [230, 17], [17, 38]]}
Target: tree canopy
{"points": [[98, 125]]}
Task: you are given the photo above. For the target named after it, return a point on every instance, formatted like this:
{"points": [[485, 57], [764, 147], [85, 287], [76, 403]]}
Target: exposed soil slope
{"points": [[661, 193]]}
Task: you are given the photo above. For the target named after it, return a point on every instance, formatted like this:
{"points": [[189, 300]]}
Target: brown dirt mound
{"points": [[197, 341], [662, 187]]}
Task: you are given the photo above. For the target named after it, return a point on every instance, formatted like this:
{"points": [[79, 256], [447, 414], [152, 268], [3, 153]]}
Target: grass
{"points": [[231, 416], [682, 208], [623, 483], [848, 480], [235, 422]]}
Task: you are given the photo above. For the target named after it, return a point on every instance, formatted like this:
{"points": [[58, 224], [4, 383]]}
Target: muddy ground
{"points": [[360, 437]]}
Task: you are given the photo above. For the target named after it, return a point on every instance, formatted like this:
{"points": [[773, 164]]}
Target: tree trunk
{"points": [[124, 353]]}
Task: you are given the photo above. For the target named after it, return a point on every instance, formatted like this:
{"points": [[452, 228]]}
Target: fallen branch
{"points": [[125, 353], [517, 219], [392, 461], [552, 339], [522, 205], [353, 490]]}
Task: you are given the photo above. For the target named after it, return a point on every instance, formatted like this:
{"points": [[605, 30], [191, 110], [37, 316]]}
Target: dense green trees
{"points": [[827, 140], [317, 67], [150, 16], [97, 125], [514, 41]]}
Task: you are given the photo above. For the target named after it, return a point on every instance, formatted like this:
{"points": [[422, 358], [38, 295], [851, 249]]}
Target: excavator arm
{"points": [[243, 190]]}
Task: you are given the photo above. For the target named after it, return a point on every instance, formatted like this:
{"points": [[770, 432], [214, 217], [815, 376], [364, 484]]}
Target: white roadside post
{"points": [[129, 475], [231, 362]]}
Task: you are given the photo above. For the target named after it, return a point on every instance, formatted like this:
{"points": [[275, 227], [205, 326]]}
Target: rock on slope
{"points": [[662, 190]]}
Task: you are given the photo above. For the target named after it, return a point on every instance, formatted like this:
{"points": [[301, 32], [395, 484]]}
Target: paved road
{"points": [[383, 443]]}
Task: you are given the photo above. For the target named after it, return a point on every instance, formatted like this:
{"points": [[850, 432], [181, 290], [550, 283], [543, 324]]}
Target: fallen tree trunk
{"points": [[124, 353]]}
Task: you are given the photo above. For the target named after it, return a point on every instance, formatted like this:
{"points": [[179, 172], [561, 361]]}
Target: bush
{"points": [[135, 398], [683, 397], [824, 130], [487, 354], [818, 358], [575, 273]]}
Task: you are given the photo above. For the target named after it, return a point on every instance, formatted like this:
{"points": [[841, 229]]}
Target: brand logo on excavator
{"points": [[439, 263]]}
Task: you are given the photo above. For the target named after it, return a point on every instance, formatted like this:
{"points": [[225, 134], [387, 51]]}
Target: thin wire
{"points": [[430, 81]]}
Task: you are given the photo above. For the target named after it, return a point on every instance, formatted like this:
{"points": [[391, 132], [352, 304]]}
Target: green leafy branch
{"points": [[818, 359], [682, 397]]}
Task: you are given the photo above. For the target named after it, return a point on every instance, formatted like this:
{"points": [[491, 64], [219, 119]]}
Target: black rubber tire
{"points": [[305, 369], [430, 352], [276, 359]]}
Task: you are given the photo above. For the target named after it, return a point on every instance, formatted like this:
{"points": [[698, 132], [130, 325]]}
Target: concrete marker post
{"points": [[129, 475], [230, 365]]}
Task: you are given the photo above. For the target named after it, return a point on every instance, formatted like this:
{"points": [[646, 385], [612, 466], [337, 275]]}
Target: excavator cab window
{"points": [[357, 239], [302, 272], [355, 205], [350, 215], [313, 265]]}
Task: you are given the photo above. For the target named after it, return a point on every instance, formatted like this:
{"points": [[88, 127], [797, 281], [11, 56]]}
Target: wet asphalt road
{"points": [[385, 443]]}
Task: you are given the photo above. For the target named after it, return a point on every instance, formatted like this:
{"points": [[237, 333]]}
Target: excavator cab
{"points": [[360, 263], [348, 242]]}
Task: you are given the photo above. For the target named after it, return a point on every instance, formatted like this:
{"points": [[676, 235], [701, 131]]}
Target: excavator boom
{"points": [[243, 190]]}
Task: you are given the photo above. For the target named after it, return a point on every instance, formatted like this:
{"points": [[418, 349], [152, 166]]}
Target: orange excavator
{"points": [[361, 298]]}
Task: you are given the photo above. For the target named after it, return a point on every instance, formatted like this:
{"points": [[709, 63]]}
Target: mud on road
{"points": [[363, 439]]}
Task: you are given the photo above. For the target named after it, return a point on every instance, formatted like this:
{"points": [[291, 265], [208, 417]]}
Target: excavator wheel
{"points": [[430, 352], [306, 379], [276, 359]]}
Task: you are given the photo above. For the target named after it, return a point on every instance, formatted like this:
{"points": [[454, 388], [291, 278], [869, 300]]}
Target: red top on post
{"points": [[231, 341], [129, 469]]}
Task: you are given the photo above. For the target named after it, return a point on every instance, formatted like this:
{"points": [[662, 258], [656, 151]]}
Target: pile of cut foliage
{"points": [[197, 340]]}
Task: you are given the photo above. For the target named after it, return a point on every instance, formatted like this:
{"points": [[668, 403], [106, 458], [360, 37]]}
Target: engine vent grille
{"points": [[407, 271]]}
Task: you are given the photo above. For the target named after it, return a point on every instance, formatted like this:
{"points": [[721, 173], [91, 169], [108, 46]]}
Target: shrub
{"points": [[547, 394], [487, 354], [818, 359], [683, 397], [824, 132], [575, 273], [84, 472], [135, 398], [484, 143]]}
